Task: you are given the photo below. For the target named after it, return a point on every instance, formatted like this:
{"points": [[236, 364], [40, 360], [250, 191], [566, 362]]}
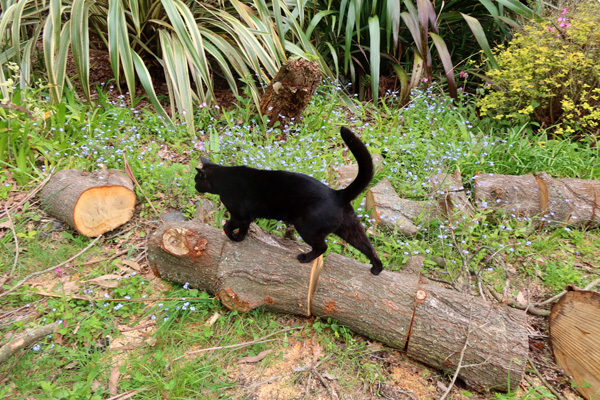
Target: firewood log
{"points": [[551, 201], [404, 311], [92, 203], [575, 338]]}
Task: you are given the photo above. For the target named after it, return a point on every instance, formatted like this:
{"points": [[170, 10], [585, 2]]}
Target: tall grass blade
{"points": [[442, 49], [374, 55], [146, 81], [176, 68], [417, 70], [81, 43], [481, 38], [518, 7], [392, 22], [350, 21], [404, 83]]}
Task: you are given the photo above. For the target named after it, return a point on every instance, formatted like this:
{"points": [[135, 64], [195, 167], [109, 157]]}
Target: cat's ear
{"points": [[205, 162]]}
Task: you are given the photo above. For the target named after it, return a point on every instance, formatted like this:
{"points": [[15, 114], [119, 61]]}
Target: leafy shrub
{"points": [[549, 73]]}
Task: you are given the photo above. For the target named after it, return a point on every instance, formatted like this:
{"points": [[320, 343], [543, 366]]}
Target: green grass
{"points": [[431, 135]]}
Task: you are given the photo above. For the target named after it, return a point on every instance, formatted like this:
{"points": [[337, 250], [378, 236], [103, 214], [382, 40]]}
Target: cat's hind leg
{"points": [[316, 240], [232, 225], [354, 234]]}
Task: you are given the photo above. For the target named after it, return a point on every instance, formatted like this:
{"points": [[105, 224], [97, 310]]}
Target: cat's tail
{"points": [[365, 166]]}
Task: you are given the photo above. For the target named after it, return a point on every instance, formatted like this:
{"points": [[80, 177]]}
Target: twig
{"points": [[12, 367], [539, 375], [263, 339], [552, 299], [130, 173], [12, 228], [333, 395], [530, 308], [32, 193], [451, 284], [12, 289], [118, 254], [274, 378], [460, 360], [465, 262], [136, 299], [307, 387], [25, 340], [125, 395]]}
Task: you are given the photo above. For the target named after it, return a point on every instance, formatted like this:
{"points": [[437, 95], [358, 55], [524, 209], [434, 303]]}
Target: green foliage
{"points": [[190, 42], [549, 74], [432, 134], [28, 124], [372, 38]]}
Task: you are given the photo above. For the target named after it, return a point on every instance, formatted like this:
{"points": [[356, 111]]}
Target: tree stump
{"points": [[289, 93], [92, 203], [404, 311], [566, 201]]}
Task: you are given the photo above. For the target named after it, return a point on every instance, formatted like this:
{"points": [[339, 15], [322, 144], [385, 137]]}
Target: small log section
{"points": [[288, 94], [429, 322], [92, 203], [549, 201], [556, 202], [575, 338]]}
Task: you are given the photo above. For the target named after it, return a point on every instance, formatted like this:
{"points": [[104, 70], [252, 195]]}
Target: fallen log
{"points": [[391, 213], [403, 311], [546, 200], [92, 203], [551, 201]]}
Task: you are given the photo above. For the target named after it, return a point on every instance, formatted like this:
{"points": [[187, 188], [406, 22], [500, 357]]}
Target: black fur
{"points": [[315, 209]]}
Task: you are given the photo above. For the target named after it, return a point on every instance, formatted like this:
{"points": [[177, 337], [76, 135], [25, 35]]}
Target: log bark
{"points": [[288, 94], [449, 193], [575, 338], [392, 213], [403, 311], [549, 201], [92, 203]]}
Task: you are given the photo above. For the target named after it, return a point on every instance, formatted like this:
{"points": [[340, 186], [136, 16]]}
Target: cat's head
{"points": [[203, 175]]}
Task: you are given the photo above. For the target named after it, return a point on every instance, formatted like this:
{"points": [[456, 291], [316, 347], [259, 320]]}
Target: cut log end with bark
{"points": [[92, 203], [575, 339], [404, 311]]}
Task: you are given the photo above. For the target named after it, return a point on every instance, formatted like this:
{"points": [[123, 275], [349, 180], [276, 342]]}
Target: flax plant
{"points": [[192, 42]]}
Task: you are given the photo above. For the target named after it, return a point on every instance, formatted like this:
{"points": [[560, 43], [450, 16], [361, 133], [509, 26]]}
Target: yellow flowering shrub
{"points": [[550, 73]]}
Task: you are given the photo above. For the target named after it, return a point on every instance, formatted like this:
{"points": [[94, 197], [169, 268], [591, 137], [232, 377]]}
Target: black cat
{"points": [[315, 209]]}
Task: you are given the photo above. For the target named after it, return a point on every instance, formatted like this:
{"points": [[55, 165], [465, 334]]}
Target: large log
{"points": [[567, 201], [404, 311], [92, 203]]}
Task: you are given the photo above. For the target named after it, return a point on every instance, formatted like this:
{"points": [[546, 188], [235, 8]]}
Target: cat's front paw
{"points": [[235, 236], [305, 258]]}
